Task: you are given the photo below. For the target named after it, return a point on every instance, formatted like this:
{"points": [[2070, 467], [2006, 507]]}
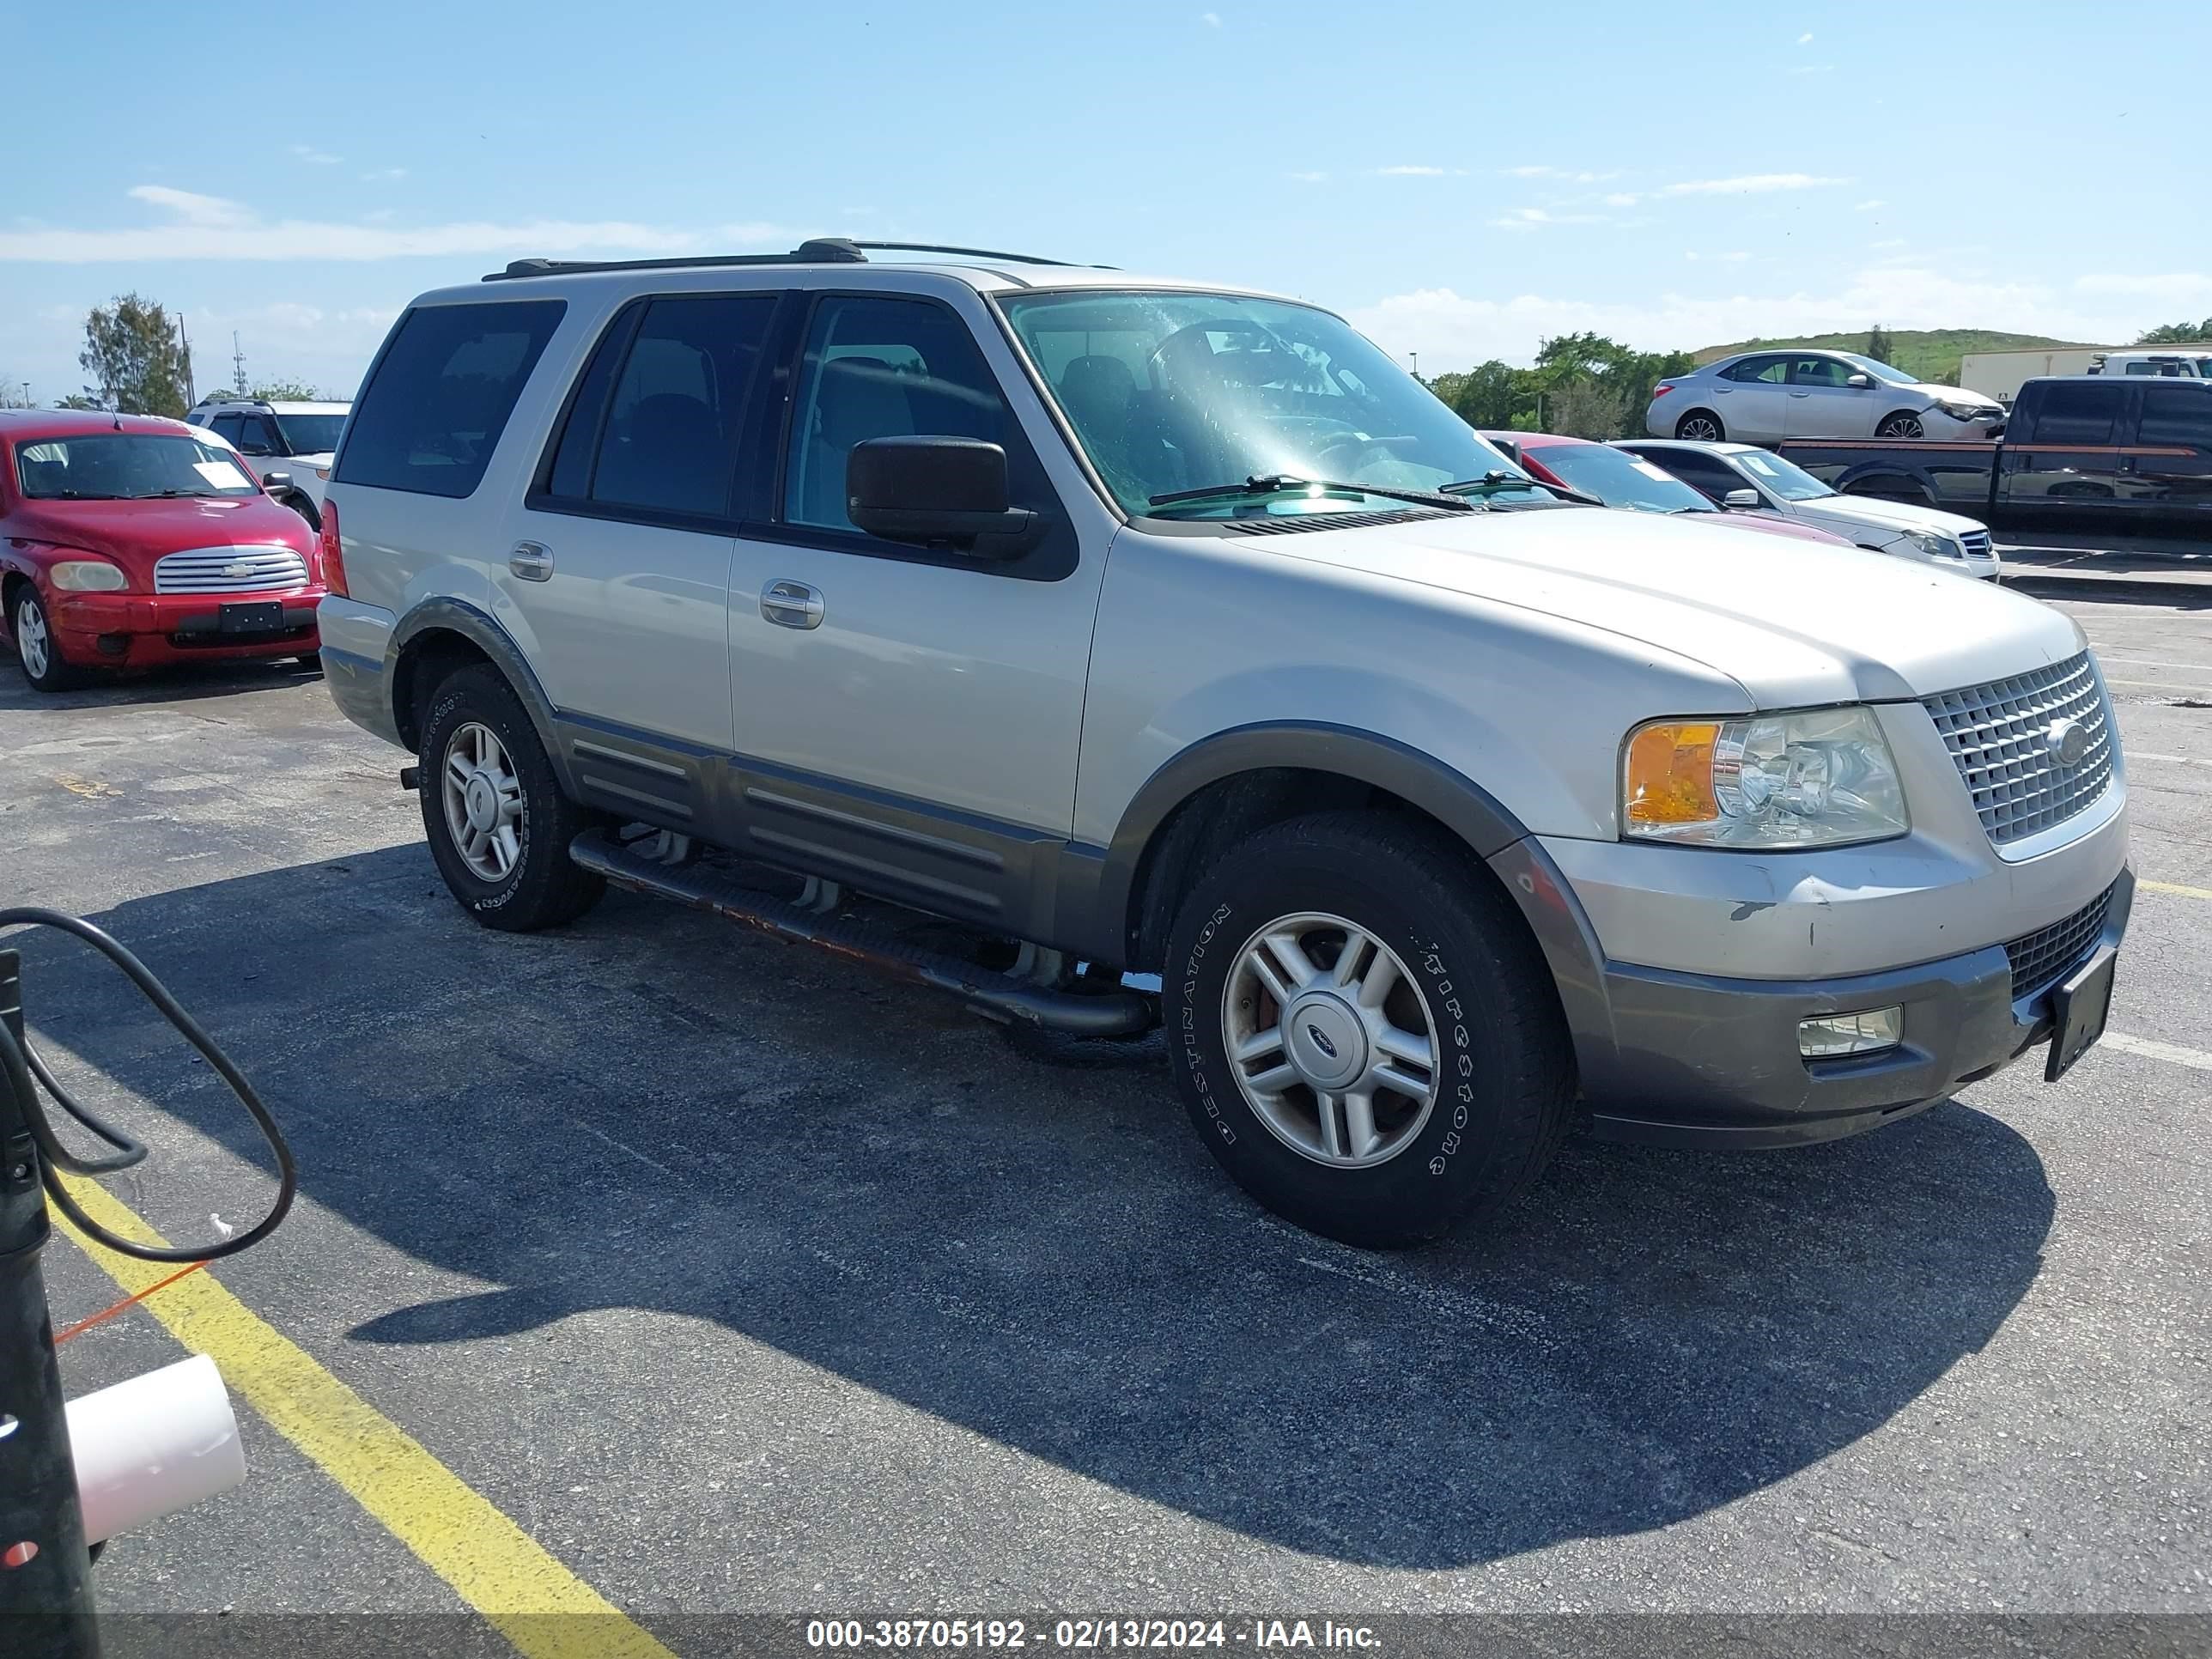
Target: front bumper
{"points": [[139, 630]]}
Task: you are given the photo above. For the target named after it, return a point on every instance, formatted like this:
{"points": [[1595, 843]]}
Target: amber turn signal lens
{"points": [[1670, 773]]}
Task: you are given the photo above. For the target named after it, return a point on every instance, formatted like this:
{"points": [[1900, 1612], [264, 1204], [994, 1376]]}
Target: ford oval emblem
{"points": [[1320, 1041], [2066, 741]]}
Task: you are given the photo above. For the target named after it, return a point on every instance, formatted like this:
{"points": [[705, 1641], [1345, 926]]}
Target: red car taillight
{"points": [[333, 552], [1660, 390]]}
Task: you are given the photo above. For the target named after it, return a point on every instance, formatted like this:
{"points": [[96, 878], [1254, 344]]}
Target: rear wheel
{"points": [[1701, 426], [498, 825], [1903, 424], [37, 648], [1362, 1031]]}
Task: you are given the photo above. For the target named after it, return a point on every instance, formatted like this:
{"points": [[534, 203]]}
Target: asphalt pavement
{"points": [[742, 1280]]}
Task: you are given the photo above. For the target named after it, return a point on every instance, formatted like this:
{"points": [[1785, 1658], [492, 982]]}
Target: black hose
{"points": [[26, 1071]]}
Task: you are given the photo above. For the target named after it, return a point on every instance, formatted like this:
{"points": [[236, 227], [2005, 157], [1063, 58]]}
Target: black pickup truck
{"points": [[2084, 462]]}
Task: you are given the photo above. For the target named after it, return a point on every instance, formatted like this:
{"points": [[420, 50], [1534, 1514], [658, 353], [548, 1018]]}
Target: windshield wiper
{"points": [[1283, 483], [75, 495], [1498, 478], [173, 495]]}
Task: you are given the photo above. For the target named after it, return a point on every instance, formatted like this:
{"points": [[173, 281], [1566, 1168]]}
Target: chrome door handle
{"points": [[1801, 394], [791, 605], [531, 561]]}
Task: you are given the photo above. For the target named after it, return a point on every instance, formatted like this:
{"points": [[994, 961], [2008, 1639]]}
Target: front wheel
{"points": [[498, 824], [1903, 424], [37, 648], [1701, 426], [1363, 1032]]}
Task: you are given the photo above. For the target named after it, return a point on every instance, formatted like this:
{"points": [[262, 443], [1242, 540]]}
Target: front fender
{"points": [[457, 617]]}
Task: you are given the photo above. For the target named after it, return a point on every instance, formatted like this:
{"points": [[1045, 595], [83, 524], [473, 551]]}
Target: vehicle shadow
{"points": [[653, 1110], [177, 683]]}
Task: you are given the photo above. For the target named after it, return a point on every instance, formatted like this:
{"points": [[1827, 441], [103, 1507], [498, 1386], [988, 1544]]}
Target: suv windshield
{"points": [[1169, 392], [1790, 482], [1618, 478], [311, 434], [1882, 371], [128, 467]]}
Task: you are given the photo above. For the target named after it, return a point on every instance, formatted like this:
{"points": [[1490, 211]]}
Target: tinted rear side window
{"points": [[433, 411], [2177, 414], [2075, 412]]}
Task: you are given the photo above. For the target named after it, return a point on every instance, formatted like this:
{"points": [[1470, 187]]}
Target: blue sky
{"points": [[1460, 179]]}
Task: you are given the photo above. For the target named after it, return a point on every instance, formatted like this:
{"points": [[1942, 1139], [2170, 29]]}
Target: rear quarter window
{"points": [[441, 395]]}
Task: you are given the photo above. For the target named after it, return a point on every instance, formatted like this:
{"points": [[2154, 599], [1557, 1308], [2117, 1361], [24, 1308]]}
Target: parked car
{"points": [[2110, 462], [1745, 479], [1174, 630], [1618, 479], [289, 444], [2183, 363], [128, 541], [1763, 397]]}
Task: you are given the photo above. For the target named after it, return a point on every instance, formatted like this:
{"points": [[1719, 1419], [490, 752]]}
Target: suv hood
{"points": [[1795, 626], [1890, 515]]}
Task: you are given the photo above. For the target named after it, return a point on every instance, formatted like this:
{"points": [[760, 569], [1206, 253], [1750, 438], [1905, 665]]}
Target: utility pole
{"points": [[1415, 358], [237, 365], [46, 1571], [191, 392]]}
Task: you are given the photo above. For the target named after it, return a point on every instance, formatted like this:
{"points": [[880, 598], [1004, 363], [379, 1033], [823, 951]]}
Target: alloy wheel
{"points": [[1330, 1041], [483, 801], [32, 643], [1901, 426], [1700, 428]]}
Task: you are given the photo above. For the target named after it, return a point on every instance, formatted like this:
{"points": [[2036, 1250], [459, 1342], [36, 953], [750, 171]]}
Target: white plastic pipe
{"points": [[154, 1445]]}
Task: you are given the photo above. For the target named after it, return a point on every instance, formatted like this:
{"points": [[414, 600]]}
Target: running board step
{"points": [[996, 996]]}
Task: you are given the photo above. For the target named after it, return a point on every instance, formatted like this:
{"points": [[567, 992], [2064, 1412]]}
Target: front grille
{"points": [[2042, 959], [2000, 737], [230, 571], [1975, 541]]}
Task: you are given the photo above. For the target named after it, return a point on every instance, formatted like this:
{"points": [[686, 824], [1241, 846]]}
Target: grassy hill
{"points": [[1933, 354]]}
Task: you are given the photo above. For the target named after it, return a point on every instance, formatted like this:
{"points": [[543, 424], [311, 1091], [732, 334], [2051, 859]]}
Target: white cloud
{"points": [[379, 175], [1307, 178], [210, 228], [1868, 205], [1449, 329], [1566, 175], [1621, 198], [1211, 19], [1750, 184], [1414, 173], [1804, 39], [313, 157], [1530, 218], [1813, 68], [1888, 241], [193, 209]]}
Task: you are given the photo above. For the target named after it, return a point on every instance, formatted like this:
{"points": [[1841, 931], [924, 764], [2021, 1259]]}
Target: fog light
{"points": [[1824, 1036]]}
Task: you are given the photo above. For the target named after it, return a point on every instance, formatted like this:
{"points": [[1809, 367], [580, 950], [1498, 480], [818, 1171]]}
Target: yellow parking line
{"points": [[498, 1568], [2175, 887]]}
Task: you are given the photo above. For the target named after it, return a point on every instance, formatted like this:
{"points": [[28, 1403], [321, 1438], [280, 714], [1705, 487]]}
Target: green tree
{"points": [[15, 392], [134, 354], [287, 391], [79, 401], [1584, 408], [2178, 333], [1487, 395], [1878, 345]]}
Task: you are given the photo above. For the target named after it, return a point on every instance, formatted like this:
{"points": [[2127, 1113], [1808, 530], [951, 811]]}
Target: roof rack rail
{"points": [[816, 250]]}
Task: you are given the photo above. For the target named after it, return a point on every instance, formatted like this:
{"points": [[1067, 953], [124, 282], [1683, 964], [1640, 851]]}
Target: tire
{"points": [[1903, 424], [1500, 1083], [521, 880], [1701, 426], [37, 650]]}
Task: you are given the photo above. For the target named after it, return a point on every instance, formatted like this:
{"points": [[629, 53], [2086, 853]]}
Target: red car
{"points": [[129, 540], [1619, 479]]}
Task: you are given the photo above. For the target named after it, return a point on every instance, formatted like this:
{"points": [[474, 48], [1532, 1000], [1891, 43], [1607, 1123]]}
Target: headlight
{"points": [[1935, 544], [1964, 411], [1824, 778], [87, 576]]}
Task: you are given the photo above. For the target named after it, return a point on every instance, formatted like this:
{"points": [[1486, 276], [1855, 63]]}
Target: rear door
{"points": [[2065, 474], [2170, 463], [1823, 404], [1751, 399], [616, 561]]}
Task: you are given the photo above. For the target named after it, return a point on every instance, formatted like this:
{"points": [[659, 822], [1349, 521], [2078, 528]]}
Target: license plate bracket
{"points": [[2079, 1007], [260, 618]]}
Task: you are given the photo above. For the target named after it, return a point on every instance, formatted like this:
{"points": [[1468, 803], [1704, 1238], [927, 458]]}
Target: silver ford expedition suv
{"points": [[1155, 629]]}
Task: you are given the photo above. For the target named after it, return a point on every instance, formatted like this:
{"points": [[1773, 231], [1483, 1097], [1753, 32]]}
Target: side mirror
{"points": [[1859, 382], [938, 492], [1741, 501], [250, 447], [273, 482]]}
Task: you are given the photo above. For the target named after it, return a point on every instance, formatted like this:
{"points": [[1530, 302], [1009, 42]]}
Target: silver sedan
{"points": [[1764, 397]]}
